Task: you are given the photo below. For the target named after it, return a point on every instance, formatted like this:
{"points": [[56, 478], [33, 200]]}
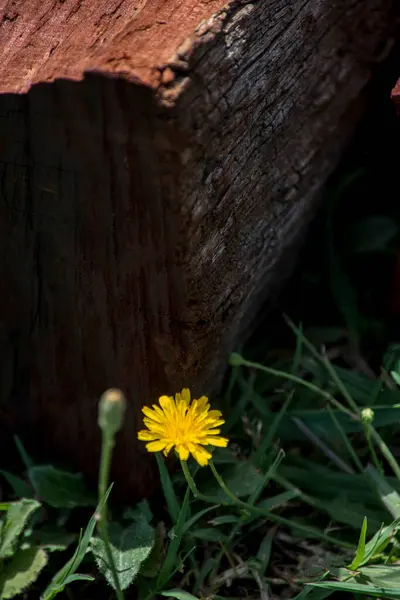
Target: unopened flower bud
{"points": [[235, 360], [367, 416], [111, 411]]}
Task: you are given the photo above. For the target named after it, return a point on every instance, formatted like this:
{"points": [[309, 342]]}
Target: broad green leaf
{"points": [[344, 511], [21, 571], [19, 486], [223, 456], [151, 566], [142, 510], [14, 523], [179, 595], [59, 488], [358, 588], [58, 582], [320, 422], [382, 575], [387, 494], [360, 554], [130, 546], [51, 540]]}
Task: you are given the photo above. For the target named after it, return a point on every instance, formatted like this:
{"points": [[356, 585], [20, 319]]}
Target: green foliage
{"points": [[68, 573], [20, 487], [59, 488], [178, 594], [374, 233], [13, 524], [168, 489], [51, 538], [21, 571], [130, 547]]}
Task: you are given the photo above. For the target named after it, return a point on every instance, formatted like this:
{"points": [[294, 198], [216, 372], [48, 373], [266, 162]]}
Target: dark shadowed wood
{"points": [[159, 161]]}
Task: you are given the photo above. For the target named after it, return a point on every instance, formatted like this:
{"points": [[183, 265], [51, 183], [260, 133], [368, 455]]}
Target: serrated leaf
{"points": [[60, 489], [130, 546], [179, 595], [142, 510], [14, 522], [21, 571]]}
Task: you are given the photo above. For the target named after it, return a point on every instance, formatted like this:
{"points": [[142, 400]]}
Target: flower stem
{"points": [[193, 487], [105, 462], [111, 412]]}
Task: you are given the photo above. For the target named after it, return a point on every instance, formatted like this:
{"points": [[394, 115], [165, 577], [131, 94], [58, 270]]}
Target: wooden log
{"points": [[159, 161], [396, 96]]}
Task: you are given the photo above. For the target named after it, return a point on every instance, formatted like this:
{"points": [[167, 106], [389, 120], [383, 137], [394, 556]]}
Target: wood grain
{"points": [[159, 163]]}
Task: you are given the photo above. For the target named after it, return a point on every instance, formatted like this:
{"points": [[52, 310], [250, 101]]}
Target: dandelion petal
{"points": [[217, 441], [182, 451], [156, 446]]}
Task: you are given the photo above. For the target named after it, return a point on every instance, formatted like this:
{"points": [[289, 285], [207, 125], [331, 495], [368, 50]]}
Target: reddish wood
{"points": [[396, 95]]}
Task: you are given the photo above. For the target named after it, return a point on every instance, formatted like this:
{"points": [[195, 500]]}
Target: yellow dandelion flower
{"points": [[184, 425]]}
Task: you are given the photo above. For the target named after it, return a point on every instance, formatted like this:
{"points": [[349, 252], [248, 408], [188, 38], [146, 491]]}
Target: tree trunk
{"points": [[158, 162]]}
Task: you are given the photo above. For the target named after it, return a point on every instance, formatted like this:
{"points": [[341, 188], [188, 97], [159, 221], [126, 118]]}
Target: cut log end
{"points": [[396, 96]]}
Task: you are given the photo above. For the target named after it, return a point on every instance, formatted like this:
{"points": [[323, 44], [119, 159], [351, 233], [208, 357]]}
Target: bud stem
{"points": [[111, 410]]}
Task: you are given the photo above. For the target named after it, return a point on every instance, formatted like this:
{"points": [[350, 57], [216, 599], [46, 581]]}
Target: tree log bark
{"points": [[158, 161]]}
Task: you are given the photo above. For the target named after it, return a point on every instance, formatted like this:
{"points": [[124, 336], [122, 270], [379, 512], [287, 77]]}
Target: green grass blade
{"points": [[169, 563], [59, 580], [360, 553], [168, 489]]}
